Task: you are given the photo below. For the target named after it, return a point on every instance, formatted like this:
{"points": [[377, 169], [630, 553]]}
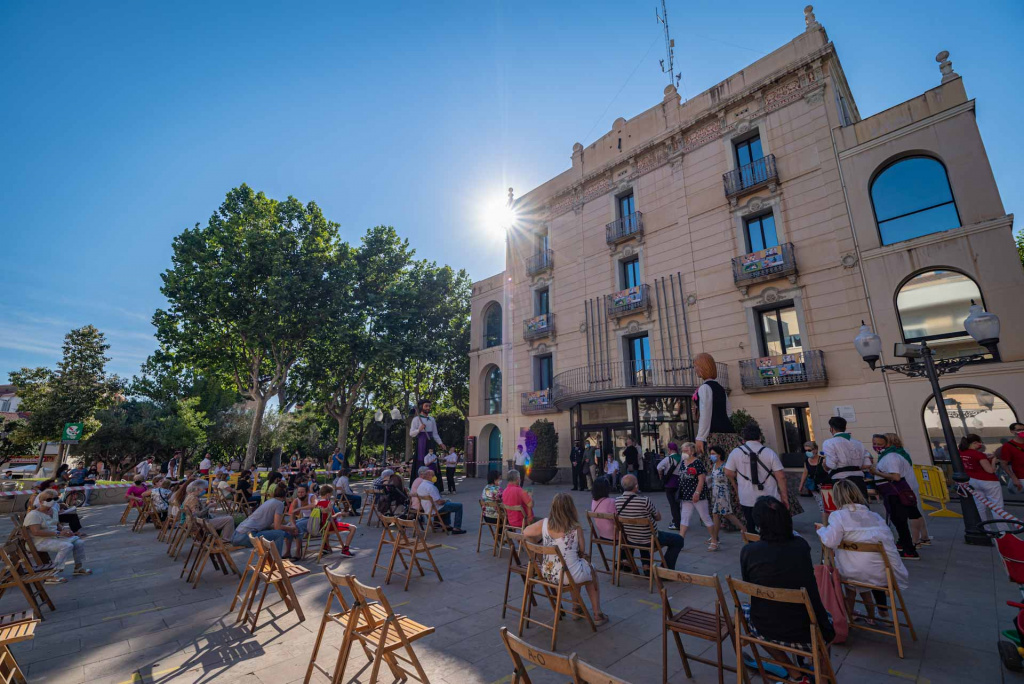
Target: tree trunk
{"points": [[254, 433], [343, 430]]}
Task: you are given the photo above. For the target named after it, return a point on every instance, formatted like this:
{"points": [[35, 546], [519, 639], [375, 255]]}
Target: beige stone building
{"points": [[761, 222]]}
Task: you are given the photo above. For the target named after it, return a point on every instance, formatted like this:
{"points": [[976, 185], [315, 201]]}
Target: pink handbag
{"points": [[831, 591]]}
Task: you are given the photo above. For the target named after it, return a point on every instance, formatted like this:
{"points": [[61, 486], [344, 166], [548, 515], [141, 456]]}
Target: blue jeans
{"points": [[455, 509], [276, 536], [302, 524], [355, 500]]}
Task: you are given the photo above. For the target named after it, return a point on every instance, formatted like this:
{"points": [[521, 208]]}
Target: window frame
{"points": [[629, 196], [488, 311], [777, 307], [624, 267], [759, 218], [489, 400], [874, 212], [542, 294], [745, 141], [538, 364], [942, 336]]}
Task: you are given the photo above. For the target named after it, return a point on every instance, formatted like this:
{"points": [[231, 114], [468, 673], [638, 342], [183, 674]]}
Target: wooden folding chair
{"points": [[328, 527], [14, 628], [17, 519], [821, 667], [181, 533], [167, 526], [388, 538], [369, 507], [273, 572], [196, 532], [344, 505], [338, 583], [508, 528], [599, 541], [626, 549], [124, 514], [554, 591], [891, 589], [214, 549], [588, 674], [147, 514], [750, 537], [384, 639], [493, 528], [257, 561], [429, 511], [38, 560], [18, 573], [518, 650], [411, 540], [701, 624], [515, 567]]}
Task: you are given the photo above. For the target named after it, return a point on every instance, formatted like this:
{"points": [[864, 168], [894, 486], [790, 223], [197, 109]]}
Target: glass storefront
{"points": [[652, 421]]}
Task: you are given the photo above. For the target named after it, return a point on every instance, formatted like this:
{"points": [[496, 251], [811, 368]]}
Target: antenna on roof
{"points": [[670, 47]]}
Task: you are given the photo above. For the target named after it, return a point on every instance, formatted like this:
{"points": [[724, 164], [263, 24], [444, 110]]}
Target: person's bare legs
{"points": [[919, 530], [594, 591], [717, 517]]}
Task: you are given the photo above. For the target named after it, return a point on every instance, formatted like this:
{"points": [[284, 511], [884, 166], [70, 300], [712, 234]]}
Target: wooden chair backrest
{"points": [[592, 517], [338, 581], [273, 558], [518, 509], [621, 523], [708, 581], [867, 547], [14, 558], [588, 674], [750, 537], [792, 596], [517, 540], [407, 530], [364, 595], [519, 650], [536, 553]]}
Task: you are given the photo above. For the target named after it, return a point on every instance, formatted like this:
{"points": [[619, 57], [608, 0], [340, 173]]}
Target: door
{"points": [[639, 361], [796, 430], [494, 450]]}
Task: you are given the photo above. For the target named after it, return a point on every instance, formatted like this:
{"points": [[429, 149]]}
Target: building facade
{"points": [[761, 222]]}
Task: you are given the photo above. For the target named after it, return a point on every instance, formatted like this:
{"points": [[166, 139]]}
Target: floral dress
{"points": [[721, 493], [491, 498], [569, 545]]}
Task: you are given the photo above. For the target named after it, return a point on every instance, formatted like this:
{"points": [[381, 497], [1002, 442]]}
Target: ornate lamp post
{"points": [[386, 420], [984, 328]]}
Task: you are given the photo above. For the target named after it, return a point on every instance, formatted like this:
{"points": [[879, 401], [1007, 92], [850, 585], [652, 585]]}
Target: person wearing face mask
{"points": [[721, 496], [815, 473], [982, 471], [1011, 455], [895, 473], [845, 457], [49, 536]]}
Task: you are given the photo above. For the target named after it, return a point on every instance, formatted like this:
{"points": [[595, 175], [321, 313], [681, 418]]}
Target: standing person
{"points": [[982, 471], [918, 525], [1011, 455], [815, 474], [91, 475], [143, 468], [205, 465], [693, 491], [668, 470], [520, 460], [721, 496], [713, 423], [451, 461], [755, 471], [895, 474], [631, 458], [611, 471], [579, 480], [562, 530], [337, 459], [588, 466], [172, 465], [632, 505], [423, 430], [845, 457]]}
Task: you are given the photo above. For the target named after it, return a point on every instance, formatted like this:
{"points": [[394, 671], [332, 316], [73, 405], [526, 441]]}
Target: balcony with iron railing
{"points": [[752, 176], [655, 377], [765, 264], [624, 228], [629, 301], [785, 371], [537, 402], [539, 326], [539, 262]]}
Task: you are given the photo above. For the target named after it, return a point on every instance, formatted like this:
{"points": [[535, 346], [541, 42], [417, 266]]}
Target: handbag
{"points": [[830, 589], [901, 490]]}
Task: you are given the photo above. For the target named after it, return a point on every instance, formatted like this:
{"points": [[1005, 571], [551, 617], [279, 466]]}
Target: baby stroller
{"points": [[393, 502], [1011, 550]]}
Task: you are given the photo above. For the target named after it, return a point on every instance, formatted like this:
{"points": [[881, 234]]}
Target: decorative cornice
{"points": [[908, 129], [935, 238]]}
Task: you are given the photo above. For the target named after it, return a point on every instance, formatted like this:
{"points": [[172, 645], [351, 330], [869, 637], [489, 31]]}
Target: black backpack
{"points": [[755, 465]]}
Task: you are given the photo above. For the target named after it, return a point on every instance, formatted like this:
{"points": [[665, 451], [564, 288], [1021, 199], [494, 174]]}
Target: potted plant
{"points": [[544, 459]]}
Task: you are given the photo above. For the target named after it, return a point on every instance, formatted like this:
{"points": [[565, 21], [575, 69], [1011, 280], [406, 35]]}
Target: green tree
{"points": [[15, 439], [246, 291], [1019, 237], [70, 393]]}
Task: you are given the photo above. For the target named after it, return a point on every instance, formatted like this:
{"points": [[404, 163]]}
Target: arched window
{"points": [[912, 198], [932, 306], [492, 391], [970, 410], [492, 326]]}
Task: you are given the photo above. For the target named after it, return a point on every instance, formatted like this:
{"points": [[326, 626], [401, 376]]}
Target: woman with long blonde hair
{"points": [[562, 529]]}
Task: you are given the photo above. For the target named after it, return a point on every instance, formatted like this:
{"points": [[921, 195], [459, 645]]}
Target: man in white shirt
{"points": [[429, 490], [343, 486], [205, 465], [611, 471], [144, 467], [520, 461], [221, 470], [845, 457], [450, 461], [756, 471]]}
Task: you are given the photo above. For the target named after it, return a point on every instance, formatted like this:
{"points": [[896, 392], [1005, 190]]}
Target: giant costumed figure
{"points": [[714, 426], [424, 431]]}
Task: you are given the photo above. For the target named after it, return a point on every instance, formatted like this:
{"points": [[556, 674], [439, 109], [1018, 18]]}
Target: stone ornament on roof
{"points": [[809, 20], [946, 66]]}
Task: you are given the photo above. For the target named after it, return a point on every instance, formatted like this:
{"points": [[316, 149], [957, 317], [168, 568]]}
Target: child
{"points": [[721, 502], [326, 503]]}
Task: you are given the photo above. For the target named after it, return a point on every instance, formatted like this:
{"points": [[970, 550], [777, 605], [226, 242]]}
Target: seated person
{"points": [[224, 487], [432, 497], [414, 488], [134, 494], [61, 543], [243, 490], [160, 495], [380, 481], [632, 505], [394, 500], [268, 522], [224, 524], [781, 559], [602, 502], [342, 485], [514, 495], [325, 501], [302, 503], [491, 496]]}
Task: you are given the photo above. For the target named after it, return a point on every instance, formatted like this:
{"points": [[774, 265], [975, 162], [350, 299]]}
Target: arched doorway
{"points": [[492, 436]]}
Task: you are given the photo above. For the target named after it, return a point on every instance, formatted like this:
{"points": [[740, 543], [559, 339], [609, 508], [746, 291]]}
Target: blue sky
{"points": [[125, 123]]}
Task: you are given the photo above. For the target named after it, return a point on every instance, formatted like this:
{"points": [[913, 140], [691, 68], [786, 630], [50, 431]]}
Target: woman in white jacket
{"points": [[854, 522]]}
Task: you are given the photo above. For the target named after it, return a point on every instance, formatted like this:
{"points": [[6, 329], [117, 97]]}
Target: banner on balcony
{"points": [[537, 323], [540, 399], [625, 298], [782, 365], [761, 260]]}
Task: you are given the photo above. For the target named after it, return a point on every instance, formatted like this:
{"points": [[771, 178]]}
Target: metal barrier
{"points": [[933, 487]]}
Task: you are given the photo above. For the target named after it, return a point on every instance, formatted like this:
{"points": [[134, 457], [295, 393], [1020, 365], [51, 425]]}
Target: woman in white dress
{"points": [[852, 521], [562, 529]]}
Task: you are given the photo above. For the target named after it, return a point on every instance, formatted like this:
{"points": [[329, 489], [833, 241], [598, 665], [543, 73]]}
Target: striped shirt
{"points": [[635, 506]]}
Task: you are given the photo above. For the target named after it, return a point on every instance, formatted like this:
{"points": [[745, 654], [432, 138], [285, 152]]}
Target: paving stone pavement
{"points": [[135, 622]]}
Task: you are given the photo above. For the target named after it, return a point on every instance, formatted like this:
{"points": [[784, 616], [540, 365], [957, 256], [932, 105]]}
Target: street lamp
{"points": [[984, 328], [386, 420]]}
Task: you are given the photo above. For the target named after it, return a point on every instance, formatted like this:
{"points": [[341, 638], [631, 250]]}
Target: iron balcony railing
{"points": [[654, 377], [537, 402], [765, 264], [630, 300], [539, 326], [624, 228], [755, 174], [539, 262], [785, 371]]}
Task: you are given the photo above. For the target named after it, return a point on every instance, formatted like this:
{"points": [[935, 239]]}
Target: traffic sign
{"points": [[72, 433]]}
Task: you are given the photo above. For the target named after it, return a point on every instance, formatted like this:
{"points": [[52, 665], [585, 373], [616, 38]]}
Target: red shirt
{"points": [[972, 465], [1013, 454], [514, 496]]}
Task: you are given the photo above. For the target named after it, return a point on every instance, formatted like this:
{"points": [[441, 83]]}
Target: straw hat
{"points": [[705, 365]]}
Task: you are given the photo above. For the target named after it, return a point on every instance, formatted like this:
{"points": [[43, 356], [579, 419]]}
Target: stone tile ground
{"points": [[135, 622]]}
